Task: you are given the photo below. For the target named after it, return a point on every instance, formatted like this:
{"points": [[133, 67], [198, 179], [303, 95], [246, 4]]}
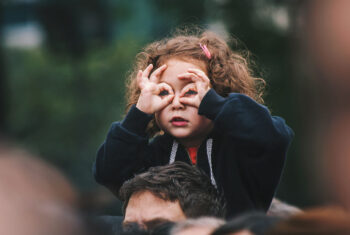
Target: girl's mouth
{"points": [[178, 121]]}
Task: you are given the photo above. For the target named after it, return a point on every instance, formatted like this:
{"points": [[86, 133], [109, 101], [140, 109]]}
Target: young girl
{"points": [[200, 102]]}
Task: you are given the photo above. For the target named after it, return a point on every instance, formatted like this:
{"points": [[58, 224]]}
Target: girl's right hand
{"points": [[154, 96]]}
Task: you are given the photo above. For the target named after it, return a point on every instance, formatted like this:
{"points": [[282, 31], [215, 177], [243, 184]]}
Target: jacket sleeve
{"points": [[261, 140], [125, 151]]}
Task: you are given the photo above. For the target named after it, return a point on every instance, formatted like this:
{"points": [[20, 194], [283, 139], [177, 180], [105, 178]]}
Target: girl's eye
{"points": [[163, 93], [191, 92]]}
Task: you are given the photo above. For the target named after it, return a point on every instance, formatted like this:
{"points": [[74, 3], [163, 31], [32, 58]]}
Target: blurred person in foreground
{"points": [[319, 221], [35, 198], [200, 226], [282, 209], [326, 36], [172, 192], [250, 223]]}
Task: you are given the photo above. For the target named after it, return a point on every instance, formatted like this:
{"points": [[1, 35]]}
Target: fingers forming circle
{"points": [[157, 73], [201, 74], [147, 71], [189, 76], [190, 88], [163, 86], [139, 79]]}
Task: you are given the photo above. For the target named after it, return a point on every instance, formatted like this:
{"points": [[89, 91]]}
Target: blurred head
{"points": [[35, 199], [316, 221], [328, 51], [169, 193], [200, 226], [282, 209], [253, 223], [228, 71]]}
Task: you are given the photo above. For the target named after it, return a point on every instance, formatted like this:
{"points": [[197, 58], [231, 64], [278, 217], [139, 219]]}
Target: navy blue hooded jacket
{"points": [[244, 154]]}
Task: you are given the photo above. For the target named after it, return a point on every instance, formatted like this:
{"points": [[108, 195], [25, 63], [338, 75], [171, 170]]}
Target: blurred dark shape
{"points": [[320, 221], [282, 209], [35, 199], [163, 229], [107, 224], [72, 27], [100, 201], [134, 229]]}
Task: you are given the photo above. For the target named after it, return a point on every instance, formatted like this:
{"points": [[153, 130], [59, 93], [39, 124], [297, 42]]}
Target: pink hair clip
{"points": [[205, 50]]}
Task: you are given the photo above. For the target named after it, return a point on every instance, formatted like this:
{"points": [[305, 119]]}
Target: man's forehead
{"points": [[145, 206]]}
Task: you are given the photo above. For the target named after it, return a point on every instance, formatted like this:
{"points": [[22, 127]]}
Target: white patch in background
{"points": [[219, 28], [277, 15], [281, 18], [27, 35]]}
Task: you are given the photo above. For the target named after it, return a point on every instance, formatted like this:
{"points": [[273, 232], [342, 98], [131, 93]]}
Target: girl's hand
{"points": [[154, 96], [193, 93]]}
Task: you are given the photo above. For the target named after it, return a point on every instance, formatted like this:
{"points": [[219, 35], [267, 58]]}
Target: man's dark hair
{"points": [[255, 222], [178, 182]]}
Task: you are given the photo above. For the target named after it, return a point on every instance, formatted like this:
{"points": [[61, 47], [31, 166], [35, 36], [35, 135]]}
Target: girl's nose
{"points": [[176, 104]]}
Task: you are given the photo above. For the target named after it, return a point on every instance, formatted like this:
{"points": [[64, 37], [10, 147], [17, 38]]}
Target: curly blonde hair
{"points": [[227, 70]]}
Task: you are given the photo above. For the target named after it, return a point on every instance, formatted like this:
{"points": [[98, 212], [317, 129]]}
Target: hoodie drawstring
{"points": [[173, 151], [209, 146]]}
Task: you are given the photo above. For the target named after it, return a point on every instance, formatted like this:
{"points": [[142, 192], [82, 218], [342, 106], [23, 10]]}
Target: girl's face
{"points": [[180, 120]]}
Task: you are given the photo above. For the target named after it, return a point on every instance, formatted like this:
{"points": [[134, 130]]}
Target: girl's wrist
{"points": [[136, 121], [139, 107], [143, 109]]}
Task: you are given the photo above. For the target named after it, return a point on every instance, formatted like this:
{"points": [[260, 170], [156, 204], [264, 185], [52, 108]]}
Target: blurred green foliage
{"points": [[61, 108]]}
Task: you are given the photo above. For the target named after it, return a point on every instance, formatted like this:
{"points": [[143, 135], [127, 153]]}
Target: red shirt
{"points": [[193, 154]]}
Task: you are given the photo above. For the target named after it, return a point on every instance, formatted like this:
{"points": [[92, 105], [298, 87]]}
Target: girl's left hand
{"points": [[193, 94]]}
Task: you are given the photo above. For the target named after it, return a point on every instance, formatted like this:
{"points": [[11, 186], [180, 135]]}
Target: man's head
{"points": [[170, 193]]}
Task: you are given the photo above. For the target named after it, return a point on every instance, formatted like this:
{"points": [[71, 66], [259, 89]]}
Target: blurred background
{"points": [[63, 66]]}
